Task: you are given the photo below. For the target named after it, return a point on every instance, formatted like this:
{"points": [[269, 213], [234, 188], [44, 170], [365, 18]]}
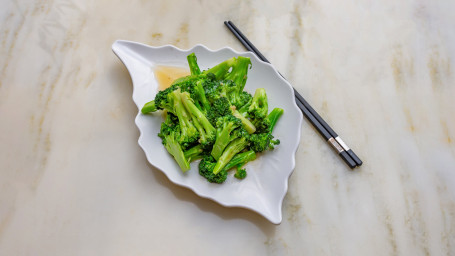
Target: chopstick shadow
{"points": [[209, 206]]}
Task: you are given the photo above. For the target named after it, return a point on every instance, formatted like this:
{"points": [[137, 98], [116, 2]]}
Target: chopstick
{"points": [[351, 159]]}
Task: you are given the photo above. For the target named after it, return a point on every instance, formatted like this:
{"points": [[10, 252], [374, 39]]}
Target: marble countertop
{"points": [[73, 180]]}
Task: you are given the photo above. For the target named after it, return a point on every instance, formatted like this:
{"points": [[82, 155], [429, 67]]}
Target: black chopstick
{"points": [[323, 128]]}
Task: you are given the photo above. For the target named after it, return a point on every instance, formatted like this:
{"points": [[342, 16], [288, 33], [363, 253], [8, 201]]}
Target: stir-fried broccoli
{"points": [[259, 106], [210, 117], [220, 107], [238, 161], [194, 153], [226, 124], [170, 134], [206, 170], [231, 150]]}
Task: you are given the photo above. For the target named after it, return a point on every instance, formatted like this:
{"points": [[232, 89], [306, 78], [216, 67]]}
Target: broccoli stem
{"points": [[232, 149], [249, 127], [195, 112], [194, 153], [201, 94], [174, 148], [259, 105], [239, 72], [192, 62], [222, 140], [273, 117], [149, 107], [241, 159], [187, 128], [244, 109], [221, 69]]}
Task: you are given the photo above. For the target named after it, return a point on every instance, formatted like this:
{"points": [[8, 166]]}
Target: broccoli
{"points": [[245, 102], [273, 117], [169, 136], [231, 150], [215, 89], [194, 153], [264, 139], [241, 159], [219, 71], [249, 127], [160, 102], [240, 173], [210, 117], [192, 62], [208, 163], [207, 132], [220, 107], [225, 125], [188, 132], [206, 170], [229, 81], [259, 106], [238, 75], [199, 92], [170, 124]]}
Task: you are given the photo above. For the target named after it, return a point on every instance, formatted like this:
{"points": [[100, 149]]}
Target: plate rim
{"points": [[251, 55]]}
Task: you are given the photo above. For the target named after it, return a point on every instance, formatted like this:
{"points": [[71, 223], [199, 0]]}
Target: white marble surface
{"points": [[73, 180]]}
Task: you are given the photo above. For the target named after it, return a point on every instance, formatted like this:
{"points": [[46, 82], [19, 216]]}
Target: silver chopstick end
{"points": [[342, 144], [335, 145]]}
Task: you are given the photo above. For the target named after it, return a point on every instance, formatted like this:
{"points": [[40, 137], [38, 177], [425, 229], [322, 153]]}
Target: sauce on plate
{"points": [[165, 75]]}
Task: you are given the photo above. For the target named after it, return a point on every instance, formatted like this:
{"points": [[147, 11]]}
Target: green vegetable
{"points": [[231, 150], [259, 106], [240, 173], [241, 159], [226, 124], [210, 117], [194, 153], [206, 170], [192, 62]]}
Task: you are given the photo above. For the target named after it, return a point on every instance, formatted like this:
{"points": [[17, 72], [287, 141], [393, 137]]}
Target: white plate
{"points": [[266, 183]]}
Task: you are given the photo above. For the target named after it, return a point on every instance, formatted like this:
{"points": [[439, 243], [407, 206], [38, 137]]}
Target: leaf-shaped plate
{"points": [[266, 184]]}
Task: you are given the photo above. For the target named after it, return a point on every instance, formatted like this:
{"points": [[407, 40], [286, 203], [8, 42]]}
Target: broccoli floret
{"points": [[206, 170], [262, 125], [259, 106], [197, 93], [229, 84], [170, 124], [207, 133], [241, 159], [192, 62], [215, 89], [160, 102], [244, 102], [221, 70], [149, 107], [194, 153], [273, 117], [170, 136], [249, 127], [188, 132], [220, 107], [231, 150], [200, 96], [225, 125], [262, 141], [240, 173], [238, 75]]}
